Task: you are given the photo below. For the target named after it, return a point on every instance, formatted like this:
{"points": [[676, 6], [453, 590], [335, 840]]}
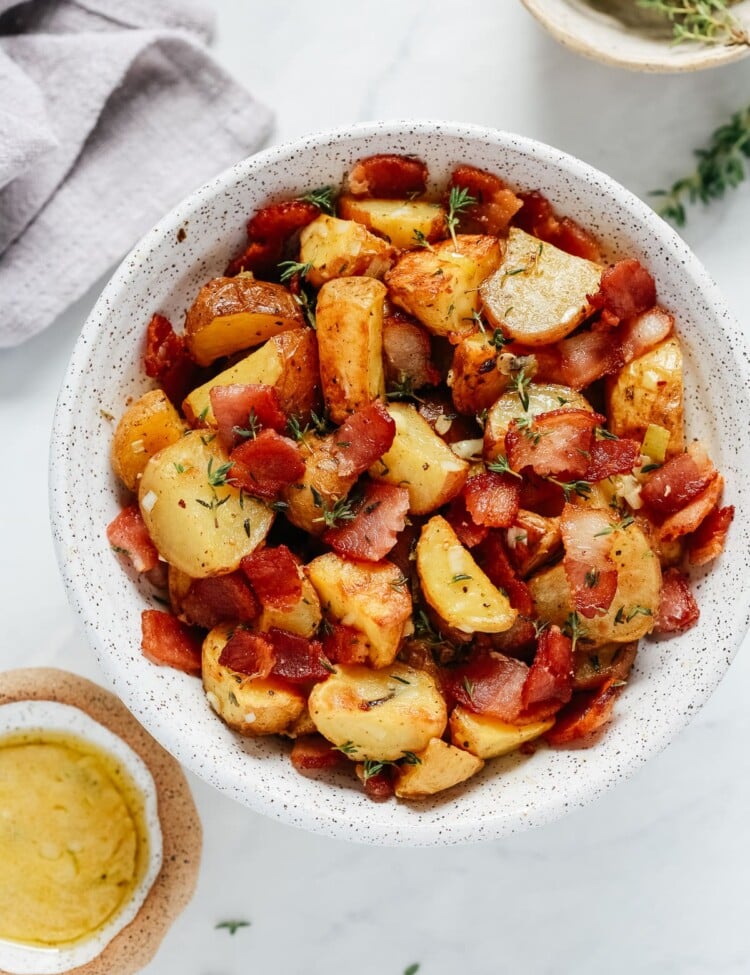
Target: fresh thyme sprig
{"points": [[500, 465], [580, 488], [251, 430], [705, 21], [459, 200], [574, 629], [721, 166], [323, 198], [341, 510], [520, 383], [290, 268], [232, 926], [402, 389], [217, 477]]}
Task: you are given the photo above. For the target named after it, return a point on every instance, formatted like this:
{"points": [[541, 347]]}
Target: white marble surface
{"points": [[654, 878]]}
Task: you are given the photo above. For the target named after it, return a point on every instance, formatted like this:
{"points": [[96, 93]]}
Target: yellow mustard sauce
{"points": [[73, 838]]}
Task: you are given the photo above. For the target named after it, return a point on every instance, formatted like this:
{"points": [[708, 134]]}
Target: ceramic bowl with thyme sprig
{"points": [[650, 35]]}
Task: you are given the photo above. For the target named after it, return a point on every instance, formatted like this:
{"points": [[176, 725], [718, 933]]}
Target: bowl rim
{"points": [[265, 800]]}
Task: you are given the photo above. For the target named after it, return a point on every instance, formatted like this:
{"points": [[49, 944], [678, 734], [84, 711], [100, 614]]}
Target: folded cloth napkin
{"points": [[110, 112]]}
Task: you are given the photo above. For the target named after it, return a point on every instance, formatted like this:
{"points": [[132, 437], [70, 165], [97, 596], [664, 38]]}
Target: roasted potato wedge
{"points": [[543, 397], [146, 427], [649, 390], [539, 294], [400, 221], [232, 314], [253, 706], [440, 767], [439, 286], [378, 714], [455, 586], [487, 737], [289, 362], [321, 485], [336, 248], [349, 316], [200, 527], [475, 380], [421, 461], [368, 597]]}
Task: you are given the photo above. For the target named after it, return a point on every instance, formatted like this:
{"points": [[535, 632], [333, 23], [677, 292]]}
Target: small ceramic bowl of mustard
{"points": [[84, 792], [624, 34]]}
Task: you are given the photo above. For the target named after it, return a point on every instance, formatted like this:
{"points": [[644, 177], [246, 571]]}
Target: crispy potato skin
{"points": [[441, 766], [475, 380], [252, 706], [341, 248], [232, 314], [399, 221], [145, 428], [488, 737]]}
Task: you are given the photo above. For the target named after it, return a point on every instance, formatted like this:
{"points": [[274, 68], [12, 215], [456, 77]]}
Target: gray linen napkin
{"points": [[110, 112]]}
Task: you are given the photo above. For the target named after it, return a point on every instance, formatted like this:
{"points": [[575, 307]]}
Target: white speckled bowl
{"points": [[599, 35], [672, 679]]}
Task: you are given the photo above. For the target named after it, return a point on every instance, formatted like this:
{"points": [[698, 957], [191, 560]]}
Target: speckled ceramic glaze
{"points": [[596, 34], [672, 678]]}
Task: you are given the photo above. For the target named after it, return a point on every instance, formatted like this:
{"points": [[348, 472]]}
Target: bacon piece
{"points": [[219, 599], [165, 640], [234, 405], [297, 659], [489, 683], [708, 541], [537, 217], [689, 518], [594, 667], [167, 360], [458, 517], [128, 535], [494, 560], [678, 481], [343, 644], [363, 438], [389, 176], [609, 457], [627, 289], [555, 443], [265, 465], [248, 653], [678, 609], [278, 221], [260, 258], [541, 496], [586, 713], [495, 207], [379, 786], [639, 334], [589, 569], [275, 577], [531, 541], [311, 753], [550, 677], [375, 528], [406, 353], [492, 499]]}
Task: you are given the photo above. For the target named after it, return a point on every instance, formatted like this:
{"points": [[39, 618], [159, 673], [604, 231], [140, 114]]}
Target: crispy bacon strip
{"points": [[550, 677], [260, 258], [265, 465], [627, 289], [537, 217], [374, 530], [609, 457], [128, 535], [248, 653], [296, 658], [555, 443], [380, 787], [363, 438], [678, 609], [388, 175], [311, 753], [689, 518], [343, 644], [678, 481], [489, 683], [249, 407], [406, 353], [708, 541], [589, 569], [496, 204], [165, 640], [167, 360], [458, 517], [639, 334], [278, 221], [493, 557], [275, 577], [219, 599], [586, 714], [492, 499]]}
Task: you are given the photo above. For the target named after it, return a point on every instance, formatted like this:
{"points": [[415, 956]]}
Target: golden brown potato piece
{"points": [[439, 285], [253, 706], [489, 737], [341, 248], [146, 427], [649, 390], [636, 601], [421, 461], [440, 767], [539, 294], [474, 378], [198, 521], [543, 398], [400, 221], [289, 362], [455, 586], [349, 316], [321, 485], [303, 618], [232, 314], [368, 597], [533, 540]]}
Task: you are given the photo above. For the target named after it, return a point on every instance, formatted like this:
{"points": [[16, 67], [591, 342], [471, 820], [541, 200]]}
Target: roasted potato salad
{"points": [[414, 480]]}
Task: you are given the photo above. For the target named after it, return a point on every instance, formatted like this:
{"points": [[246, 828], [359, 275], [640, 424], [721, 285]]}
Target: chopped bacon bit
{"points": [[343, 644], [537, 217], [489, 683], [388, 175], [275, 577], [492, 499], [589, 569], [627, 289], [458, 517], [541, 496], [250, 407], [219, 599], [260, 258], [493, 557], [708, 541], [167, 641], [297, 659], [639, 334], [531, 540], [265, 465], [278, 221], [689, 518], [312, 753], [678, 609], [363, 438], [678, 481], [248, 653], [128, 535], [586, 713], [375, 528], [596, 666], [406, 353], [550, 677], [555, 443], [167, 359], [610, 457], [379, 787], [579, 360], [495, 207]]}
